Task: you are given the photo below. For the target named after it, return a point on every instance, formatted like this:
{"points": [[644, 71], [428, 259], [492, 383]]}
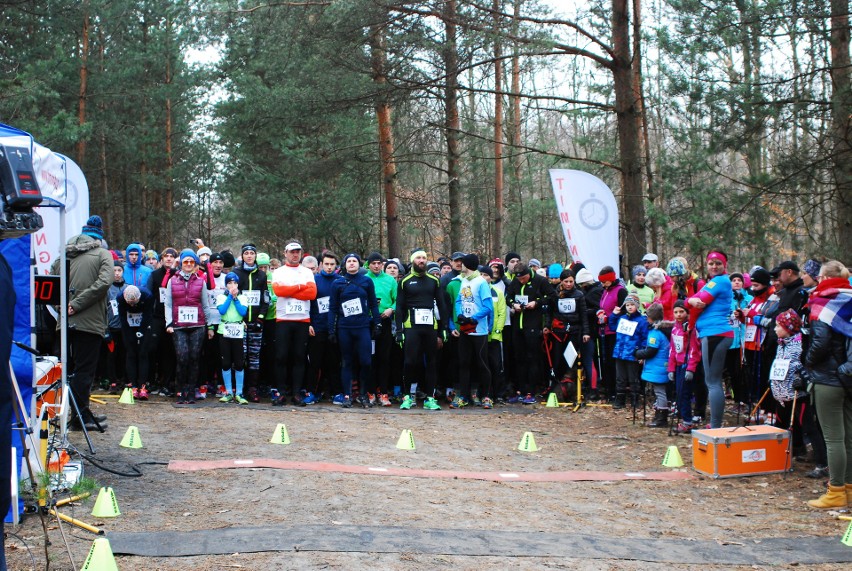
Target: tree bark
{"points": [[84, 83], [515, 101], [452, 123], [841, 103], [629, 135], [497, 239], [386, 145], [169, 205]]}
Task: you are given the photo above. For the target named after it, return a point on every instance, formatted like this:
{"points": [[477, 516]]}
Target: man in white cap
{"points": [[650, 260]]}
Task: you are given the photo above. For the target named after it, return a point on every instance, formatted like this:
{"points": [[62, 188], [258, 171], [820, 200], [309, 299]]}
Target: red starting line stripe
{"points": [[569, 476]]}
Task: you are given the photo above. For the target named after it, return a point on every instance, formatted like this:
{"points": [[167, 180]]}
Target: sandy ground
{"points": [[600, 439]]}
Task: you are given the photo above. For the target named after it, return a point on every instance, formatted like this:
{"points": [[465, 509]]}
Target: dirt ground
{"points": [[600, 439]]}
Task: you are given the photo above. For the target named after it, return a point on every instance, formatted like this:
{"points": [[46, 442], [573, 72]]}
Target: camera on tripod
{"points": [[20, 193]]}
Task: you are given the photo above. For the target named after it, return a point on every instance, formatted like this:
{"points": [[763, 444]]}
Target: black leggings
{"points": [[188, 341], [473, 353], [291, 351], [232, 354], [421, 349]]}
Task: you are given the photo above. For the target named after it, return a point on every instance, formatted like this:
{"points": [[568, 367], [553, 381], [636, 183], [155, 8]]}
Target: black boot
{"points": [[620, 400], [661, 419]]}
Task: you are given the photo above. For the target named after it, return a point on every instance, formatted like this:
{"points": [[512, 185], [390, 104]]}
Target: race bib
{"points": [[113, 306], [627, 327], [187, 314], [351, 308], [750, 333], [322, 304], [212, 295], [232, 330], [468, 308], [163, 292], [252, 297], [779, 369], [134, 319], [522, 299], [568, 305], [295, 306], [677, 341], [423, 317]]}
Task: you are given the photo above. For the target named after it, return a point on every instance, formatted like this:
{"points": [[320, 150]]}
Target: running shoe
{"points": [[529, 399], [227, 398], [113, 388], [274, 394], [516, 398], [347, 402], [142, 393], [135, 392], [431, 403], [384, 400], [240, 400], [486, 403], [309, 398], [338, 399], [280, 401], [407, 403], [683, 428], [458, 402], [220, 391], [475, 398], [371, 398]]}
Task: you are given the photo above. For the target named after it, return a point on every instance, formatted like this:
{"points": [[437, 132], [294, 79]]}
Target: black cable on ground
{"points": [[136, 471]]}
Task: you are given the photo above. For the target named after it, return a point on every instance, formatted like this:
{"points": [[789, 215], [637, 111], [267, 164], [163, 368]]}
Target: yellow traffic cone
{"points": [[847, 537], [100, 557], [280, 435], [131, 438], [406, 440], [528, 443], [672, 458], [552, 401], [127, 396], [106, 505]]}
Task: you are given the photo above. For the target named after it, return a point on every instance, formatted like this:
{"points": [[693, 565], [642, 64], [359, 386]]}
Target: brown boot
{"points": [[849, 494], [835, 497]]}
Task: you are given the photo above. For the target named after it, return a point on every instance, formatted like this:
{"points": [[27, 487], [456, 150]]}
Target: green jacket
{"points": [[273, 299], [499, 301], [386, 288], [89, 279]]}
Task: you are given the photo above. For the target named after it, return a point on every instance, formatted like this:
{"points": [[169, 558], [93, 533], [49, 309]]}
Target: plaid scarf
{"points": [[831, 303]]}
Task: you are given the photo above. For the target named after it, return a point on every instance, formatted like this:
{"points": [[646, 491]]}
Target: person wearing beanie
{"points": [[510, 260], [684, 282], [135, 313], [94, 228], [267, 343], [785, 371], [295, 287], [353, 320], [526, 295], [592, 292], [655, 354], [554, 271], [159, 346], [420, 330], [534, 265], [323, 372], [395, 269], [566, 322], [631, 333], [495, 344], [684, 364], [152, 260], [734, 359], [187, 312], [474, 309], [254, 285], [113, 346], [232, 306], [386, 290], [614, 294], [639, 288], [433, 268], [135, 270], [710, 315]]}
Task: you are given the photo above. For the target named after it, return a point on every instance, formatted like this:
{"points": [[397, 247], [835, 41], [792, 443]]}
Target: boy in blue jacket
{"points": [[655, 353], [631, 333]]}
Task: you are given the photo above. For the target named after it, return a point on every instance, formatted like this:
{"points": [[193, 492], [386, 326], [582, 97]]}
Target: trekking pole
{"points": [[788, 467], [757, 406]]}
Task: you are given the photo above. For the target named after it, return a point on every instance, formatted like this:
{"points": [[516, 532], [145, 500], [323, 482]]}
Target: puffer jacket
{"points": [[826, 353], [626, 345], [89, 279]]}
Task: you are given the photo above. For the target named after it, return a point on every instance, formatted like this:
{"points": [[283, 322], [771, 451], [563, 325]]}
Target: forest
{"points": [[362, 125]]}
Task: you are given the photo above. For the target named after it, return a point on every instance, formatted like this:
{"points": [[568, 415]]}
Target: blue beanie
{"points": [[188, 253], [232, 277], [638, 269], [94, 227], [352, 255], [554, 271]]}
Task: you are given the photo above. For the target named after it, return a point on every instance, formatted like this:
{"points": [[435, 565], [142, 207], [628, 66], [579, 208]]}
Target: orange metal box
{"points": [[741, 451]]}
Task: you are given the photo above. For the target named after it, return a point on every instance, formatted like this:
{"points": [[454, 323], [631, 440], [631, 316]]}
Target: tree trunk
{"points": [[84, 83], [629, 135], [169, 205], [452, 124], [386, 145], [515, 100], [497, 239], [841, 102], [642, 116]]}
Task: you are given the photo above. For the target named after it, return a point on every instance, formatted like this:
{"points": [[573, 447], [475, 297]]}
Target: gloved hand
{"points": [[671, 377], [332, 337], [688, 376], [377, 330], [398, 337]]}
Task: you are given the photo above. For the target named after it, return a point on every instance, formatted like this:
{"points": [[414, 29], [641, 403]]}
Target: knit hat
{"points": [[534, 262], [132, 294], [760, 276], [511, 256], [735, 275], [470, 261], [487, 271], [228, 259], [187, 253], [416, 253], [676, 267], [216, 257], [375, 257], [248, 247], [263, 259], [117, 264], [639, 269], [152, 255], [351, 255], [812, 268], [790, 321], [655, 277], [204, 250], [433, 267], [654, 312], [393, 263], [457, 256], [577, 266], [584, 276], [94, 227], [554, 271], [634, 299], [169, 251], [681, 304], [232, 277], [446, 263]]}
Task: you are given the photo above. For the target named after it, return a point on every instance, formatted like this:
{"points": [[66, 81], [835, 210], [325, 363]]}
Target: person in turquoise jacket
{"points": [[631, 333], [232, 306], [655, 353]]}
